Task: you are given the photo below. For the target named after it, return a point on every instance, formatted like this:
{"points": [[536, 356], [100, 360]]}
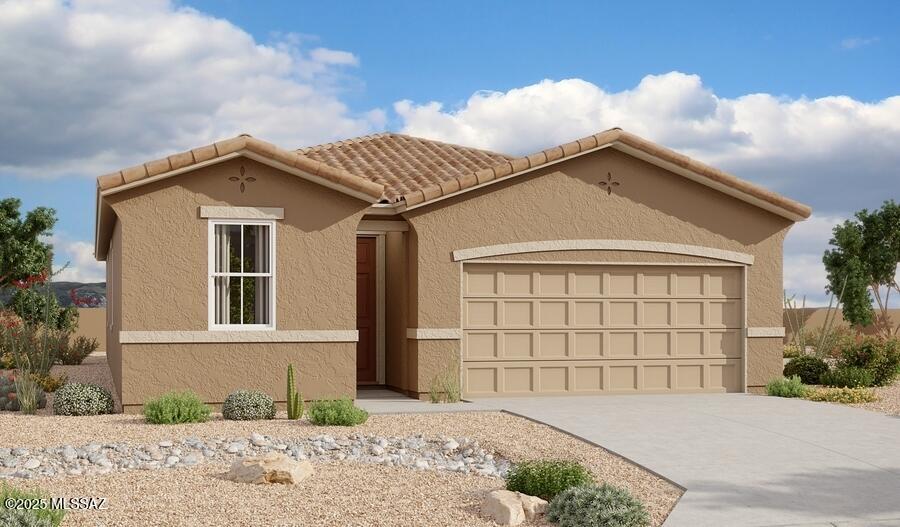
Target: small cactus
{"points": [[294, 401]]}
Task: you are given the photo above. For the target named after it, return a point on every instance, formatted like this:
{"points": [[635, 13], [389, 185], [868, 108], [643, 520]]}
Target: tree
{"points": [[22, 252], [865, 256]]}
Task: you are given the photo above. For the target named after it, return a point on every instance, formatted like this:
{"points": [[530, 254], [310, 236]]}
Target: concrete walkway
{"points": [[744, 460]]}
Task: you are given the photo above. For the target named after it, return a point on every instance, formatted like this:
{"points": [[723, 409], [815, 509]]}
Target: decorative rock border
{"points": [[462, 455]]}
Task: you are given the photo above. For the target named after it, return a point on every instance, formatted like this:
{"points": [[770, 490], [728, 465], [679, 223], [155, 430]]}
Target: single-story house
{"points": [[607, 265]]}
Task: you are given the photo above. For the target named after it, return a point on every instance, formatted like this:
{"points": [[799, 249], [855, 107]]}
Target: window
{"points": [[242, 292]]}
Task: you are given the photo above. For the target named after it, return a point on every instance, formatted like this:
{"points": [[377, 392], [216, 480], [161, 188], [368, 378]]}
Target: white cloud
{"points": [[94, 86], [804, 273], [82, 267], [836, 153], [858, 42]]}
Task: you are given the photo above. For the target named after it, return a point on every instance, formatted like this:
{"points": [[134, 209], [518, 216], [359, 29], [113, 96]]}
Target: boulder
{"points": [[503, 507], [270, 468], [533, 506]]}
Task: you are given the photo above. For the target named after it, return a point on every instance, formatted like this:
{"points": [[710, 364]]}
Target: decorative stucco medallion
{"points": [[609, 184], [242, 179]]}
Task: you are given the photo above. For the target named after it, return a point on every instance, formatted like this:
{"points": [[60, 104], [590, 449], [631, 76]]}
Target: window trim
{"points": [[211, 275]]}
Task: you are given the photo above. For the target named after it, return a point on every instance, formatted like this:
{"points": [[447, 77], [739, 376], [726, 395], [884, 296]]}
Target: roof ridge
{"points": [[388, 133], [342, 142], [452, 145]]}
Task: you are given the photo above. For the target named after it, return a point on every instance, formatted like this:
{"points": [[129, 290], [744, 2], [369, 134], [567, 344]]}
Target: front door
{"points": [[365, 311]]}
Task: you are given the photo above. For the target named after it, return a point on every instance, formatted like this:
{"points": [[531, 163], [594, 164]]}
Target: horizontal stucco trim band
{"points": [[434, 333], [383, 226], [242, 213], [601, 245], [202, 337], [765, 332]]}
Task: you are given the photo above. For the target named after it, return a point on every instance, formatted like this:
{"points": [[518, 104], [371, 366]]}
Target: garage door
{"points": [[581, 329]]}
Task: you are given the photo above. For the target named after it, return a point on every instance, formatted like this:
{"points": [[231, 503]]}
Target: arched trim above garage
{"points": [[603, 245]]}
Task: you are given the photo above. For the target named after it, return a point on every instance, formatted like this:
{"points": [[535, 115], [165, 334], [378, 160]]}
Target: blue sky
{"points": [[799, 96]]}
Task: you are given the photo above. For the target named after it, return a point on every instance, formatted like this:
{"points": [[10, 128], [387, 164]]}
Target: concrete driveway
{"points": [[745, 460]]}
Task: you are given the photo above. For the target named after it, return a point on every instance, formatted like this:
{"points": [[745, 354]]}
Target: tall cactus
{"points": [[294, 401]]}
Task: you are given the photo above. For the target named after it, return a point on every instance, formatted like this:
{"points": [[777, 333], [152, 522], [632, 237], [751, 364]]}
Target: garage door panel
{"points": [[597, 377], [560, 328]]}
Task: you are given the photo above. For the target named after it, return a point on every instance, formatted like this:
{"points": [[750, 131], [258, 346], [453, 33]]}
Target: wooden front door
{"points": [[365, 311]]}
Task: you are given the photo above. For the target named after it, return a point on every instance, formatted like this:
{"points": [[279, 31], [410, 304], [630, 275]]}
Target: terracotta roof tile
{"points": [[402, 163]]}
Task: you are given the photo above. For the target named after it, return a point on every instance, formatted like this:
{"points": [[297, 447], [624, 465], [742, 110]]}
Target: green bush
{"points": [[808, 367], [878, 355], [339, 412], [27, 518], [848, 377], [843, 395], [546, 478], [82, 399], [176, 408], [792, 387], [597, 506], [248, 405]]}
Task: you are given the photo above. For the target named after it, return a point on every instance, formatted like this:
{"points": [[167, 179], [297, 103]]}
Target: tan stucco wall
{"points": [[566, 202], [396, 367], [114, 307], [323, 370], [92, 325], [164, 282]]}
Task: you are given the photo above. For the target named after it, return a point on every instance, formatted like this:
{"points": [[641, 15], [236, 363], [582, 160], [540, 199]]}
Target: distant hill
{"points": [[62, 289]]}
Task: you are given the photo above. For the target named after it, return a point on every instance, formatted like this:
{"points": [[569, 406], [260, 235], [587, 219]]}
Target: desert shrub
{"points": [[546, 478], [843, 395], [444, 387], [830, 342], [878, 355], [786, 387], [848, 377], [9, 398], [26, 518], [597, 506], [73, 353], [339, 412], [790, 351], [76, 398], [176, 408], [248, 405], [49, 382], [808, 367], [39, 306], [7, 361]]}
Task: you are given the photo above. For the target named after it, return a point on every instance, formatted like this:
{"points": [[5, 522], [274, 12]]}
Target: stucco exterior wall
{"points": [[114, 308], [164, 283], [567, 202], [396, 367], [323, 370]]}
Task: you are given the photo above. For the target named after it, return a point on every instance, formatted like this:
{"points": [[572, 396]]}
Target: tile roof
{"points": [[401, 163], [160, 168]]}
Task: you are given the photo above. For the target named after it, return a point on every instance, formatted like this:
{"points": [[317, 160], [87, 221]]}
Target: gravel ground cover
{"points": [[339, 494], [888, 400]]}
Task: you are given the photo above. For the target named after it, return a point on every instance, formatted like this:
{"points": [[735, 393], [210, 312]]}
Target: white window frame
{"points": [[211, 275]]}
